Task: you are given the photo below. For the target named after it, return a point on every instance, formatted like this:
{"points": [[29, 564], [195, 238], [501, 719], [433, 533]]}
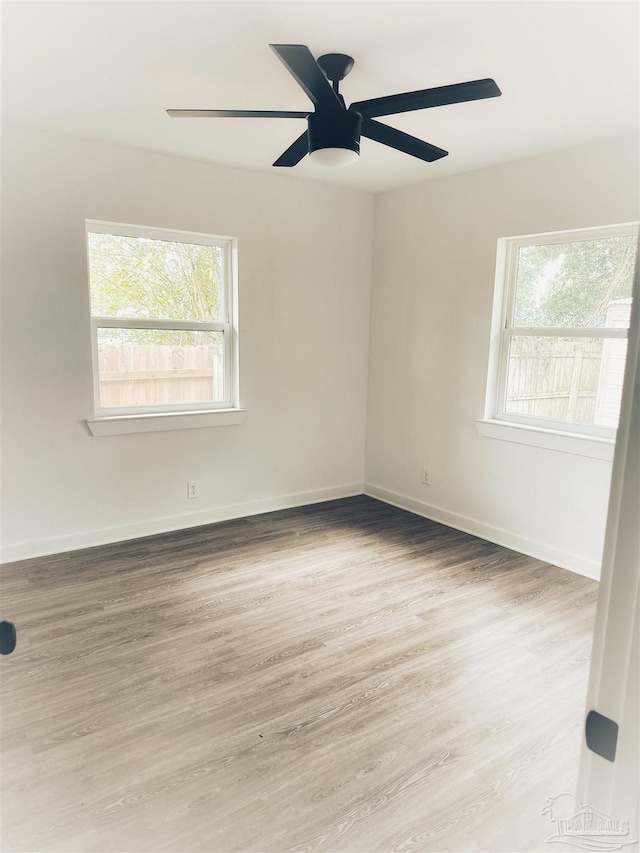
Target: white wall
{"points": [[434, 264], [304, 316], [305, 280]]}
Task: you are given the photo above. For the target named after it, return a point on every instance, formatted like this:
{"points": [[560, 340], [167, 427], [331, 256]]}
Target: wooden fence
{"points": [[575, 385], [136, 375], [574, 380], [561, 386]]}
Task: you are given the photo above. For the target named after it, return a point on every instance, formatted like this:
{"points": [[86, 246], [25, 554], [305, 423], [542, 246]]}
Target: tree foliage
{"points": [[572, 284], [138, 278]]}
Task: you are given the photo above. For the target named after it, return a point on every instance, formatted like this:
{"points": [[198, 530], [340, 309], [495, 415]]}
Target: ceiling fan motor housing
{"points": [[334, 130]]}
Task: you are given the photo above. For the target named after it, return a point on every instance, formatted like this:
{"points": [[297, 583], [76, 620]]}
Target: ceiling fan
{"points": [[333, 131]]}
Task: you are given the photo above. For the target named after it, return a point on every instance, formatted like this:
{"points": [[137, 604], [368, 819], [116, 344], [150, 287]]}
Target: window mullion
{"points": [[170, 325], [567, 332]]}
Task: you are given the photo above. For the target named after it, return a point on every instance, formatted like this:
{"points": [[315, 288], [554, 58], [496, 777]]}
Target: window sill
{"points": [[126, 424], [563, 442]]}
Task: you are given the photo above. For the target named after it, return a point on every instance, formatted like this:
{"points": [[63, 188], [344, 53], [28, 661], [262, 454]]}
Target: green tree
{"points": [[141, 278], [572, 284]]}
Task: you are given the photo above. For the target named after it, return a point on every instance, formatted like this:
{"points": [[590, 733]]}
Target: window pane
{"points": [[155, 279], [148, 367], [582, 283], [566, 379]]}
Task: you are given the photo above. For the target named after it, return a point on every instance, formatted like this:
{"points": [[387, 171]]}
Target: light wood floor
{"points": [[342, 677]]}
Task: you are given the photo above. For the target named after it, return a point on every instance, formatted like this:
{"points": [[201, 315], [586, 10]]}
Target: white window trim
{"points": [[163, 421], [584, 439], [548, 439], [111, 421]]}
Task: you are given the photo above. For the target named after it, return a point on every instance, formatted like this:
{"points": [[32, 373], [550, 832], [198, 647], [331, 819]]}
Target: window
{"points": [[162, 320], [563, 303]]}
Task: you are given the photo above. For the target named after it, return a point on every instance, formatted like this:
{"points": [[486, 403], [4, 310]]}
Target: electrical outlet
{"points": [[193, 489], [426, 476]]}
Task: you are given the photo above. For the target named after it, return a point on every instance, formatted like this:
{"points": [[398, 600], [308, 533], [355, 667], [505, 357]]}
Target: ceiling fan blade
{"points": [[300, 63], [440, 96], [235, 114], [401, 141], [295, 152]]}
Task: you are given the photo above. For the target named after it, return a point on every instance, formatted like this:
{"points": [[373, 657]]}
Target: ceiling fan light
{"points": [[334, 156], [334, 137]]}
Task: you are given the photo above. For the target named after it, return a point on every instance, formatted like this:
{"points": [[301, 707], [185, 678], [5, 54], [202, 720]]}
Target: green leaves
{"points": [[135, 277], [573, 284]]}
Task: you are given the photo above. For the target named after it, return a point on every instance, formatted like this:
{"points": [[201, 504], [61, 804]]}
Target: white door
{"points": [[609, 789]]}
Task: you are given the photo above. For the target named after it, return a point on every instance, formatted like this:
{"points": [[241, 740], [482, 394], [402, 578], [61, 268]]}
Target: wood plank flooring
{"points": [[340, 677]]}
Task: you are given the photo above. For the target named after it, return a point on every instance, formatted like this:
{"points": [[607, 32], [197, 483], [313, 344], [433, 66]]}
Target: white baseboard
{"points": [[105, 536], [531, 547], [91, 538]]}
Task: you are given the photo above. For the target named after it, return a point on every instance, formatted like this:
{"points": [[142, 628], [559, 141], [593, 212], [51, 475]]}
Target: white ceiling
{"points": [[109, 70]]}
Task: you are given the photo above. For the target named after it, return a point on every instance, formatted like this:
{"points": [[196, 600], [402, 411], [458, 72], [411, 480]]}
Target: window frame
{"points": [[228, 325], [503, 331]]}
